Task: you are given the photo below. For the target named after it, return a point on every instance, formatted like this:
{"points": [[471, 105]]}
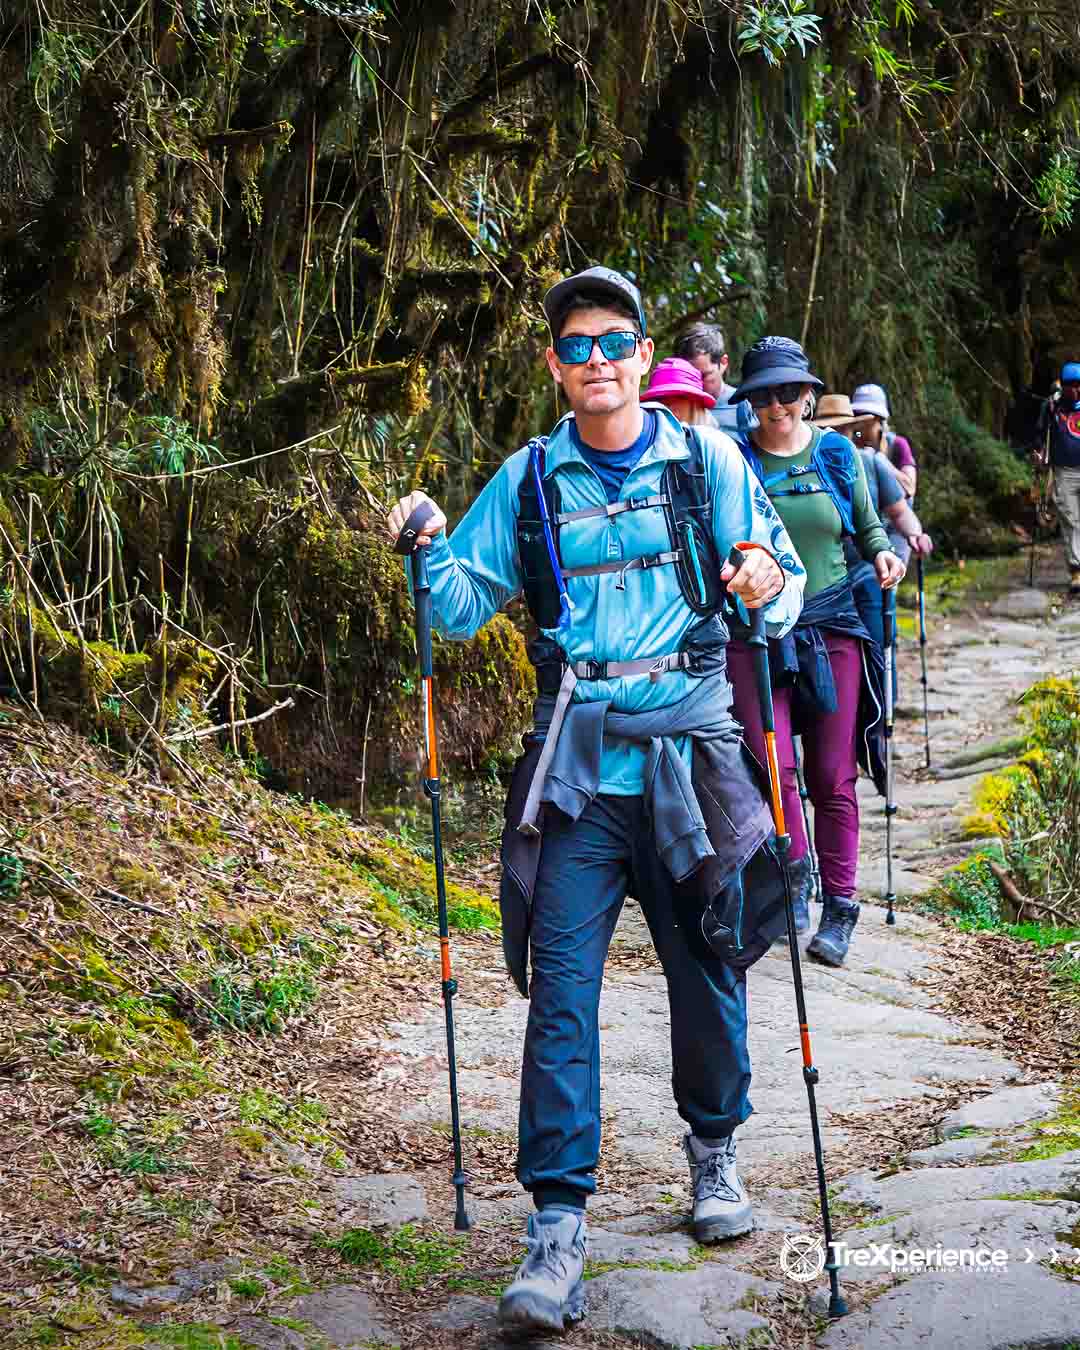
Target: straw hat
{"points": [[835, 410]]}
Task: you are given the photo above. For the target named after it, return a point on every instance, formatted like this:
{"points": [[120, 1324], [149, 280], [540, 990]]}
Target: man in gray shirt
{"points": [[702, 344], [901, 524]]}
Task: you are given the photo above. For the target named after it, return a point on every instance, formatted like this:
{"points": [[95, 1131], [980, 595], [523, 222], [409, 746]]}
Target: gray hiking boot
{"points": [[548, 1291], [722, 1208], [830, 943]]}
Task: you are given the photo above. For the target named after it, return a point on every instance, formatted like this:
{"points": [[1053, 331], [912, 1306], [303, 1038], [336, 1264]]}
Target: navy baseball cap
{"points": [[604, 280]]}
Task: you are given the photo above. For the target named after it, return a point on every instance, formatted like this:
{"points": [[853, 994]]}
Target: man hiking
{"points": [[702, 344], [1061, 449], [906, 534], [615, 527]]}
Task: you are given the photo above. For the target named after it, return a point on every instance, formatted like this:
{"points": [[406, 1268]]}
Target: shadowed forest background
{"points": [[263, 266]]}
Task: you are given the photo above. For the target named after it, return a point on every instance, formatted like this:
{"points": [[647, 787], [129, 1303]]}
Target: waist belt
{"points": [[654, 666], [634, 565]]}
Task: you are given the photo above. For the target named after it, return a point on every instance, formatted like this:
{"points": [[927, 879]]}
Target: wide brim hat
{"points": [[872, 400], [835, 410], [774, 360], [676, 378], [605, 281]]}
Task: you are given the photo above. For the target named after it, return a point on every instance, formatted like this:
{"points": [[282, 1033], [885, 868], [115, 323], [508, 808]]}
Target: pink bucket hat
{"points": [[676, 378]]}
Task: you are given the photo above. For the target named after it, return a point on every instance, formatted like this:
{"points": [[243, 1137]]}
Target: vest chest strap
{"points": [[621, 568], [611, 509]]}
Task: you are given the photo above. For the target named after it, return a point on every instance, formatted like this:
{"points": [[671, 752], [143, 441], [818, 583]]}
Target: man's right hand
{"points": [[404, 509]]}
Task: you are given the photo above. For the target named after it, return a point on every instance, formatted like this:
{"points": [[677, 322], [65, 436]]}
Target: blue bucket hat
{"points": [[1070, 372], [773, 360]]}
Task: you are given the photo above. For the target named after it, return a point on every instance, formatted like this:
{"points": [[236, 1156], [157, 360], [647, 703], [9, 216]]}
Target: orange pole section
{"points": [[429, 729], [444, 948], [774, 782], [804, 1036]]}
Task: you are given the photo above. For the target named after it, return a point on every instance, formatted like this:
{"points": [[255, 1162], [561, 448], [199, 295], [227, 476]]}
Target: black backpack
{"points": [[685, 502]]}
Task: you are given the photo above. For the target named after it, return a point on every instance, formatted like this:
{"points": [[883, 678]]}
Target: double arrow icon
{"points": [[1051, 1255]]}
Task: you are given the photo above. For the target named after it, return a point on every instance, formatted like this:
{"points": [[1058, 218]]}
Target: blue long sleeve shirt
{"points": [[477, 570]]}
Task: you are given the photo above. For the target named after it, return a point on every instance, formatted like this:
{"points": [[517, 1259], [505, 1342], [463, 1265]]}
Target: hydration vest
{"points": [[685, 501], [833, 460]]}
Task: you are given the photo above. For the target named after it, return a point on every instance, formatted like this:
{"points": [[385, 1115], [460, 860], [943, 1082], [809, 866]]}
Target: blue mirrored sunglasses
{"points": [[576, 350]]}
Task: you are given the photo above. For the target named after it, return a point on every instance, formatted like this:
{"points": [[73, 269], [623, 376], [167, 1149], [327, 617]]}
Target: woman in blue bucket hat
{"points": [[828, 673]]}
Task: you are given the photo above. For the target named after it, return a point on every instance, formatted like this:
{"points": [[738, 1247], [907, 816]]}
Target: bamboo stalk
{"points": [[29, 611], [163, 644], [814, 265]]}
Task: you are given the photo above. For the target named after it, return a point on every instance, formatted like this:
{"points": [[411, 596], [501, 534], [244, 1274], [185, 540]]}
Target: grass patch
{"points": [[412, 1257], [594, 1269], [1035, 1196], [195, 1336], [246, 1286], [1060, 1134]]}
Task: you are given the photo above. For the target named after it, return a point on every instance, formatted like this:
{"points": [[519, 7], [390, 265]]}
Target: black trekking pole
{"points": [[759, 642], [888, 614], [922, 652], [406, 545], [804, 797]]}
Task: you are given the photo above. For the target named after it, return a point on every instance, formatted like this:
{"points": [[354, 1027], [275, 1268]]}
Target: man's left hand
{"points": [[890, 570], [757, 581]]}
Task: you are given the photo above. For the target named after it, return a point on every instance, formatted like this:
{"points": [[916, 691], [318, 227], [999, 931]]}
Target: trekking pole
{"points": [[759, 642], [888, 614], [804, 797], [922, 652], [406, 545]]}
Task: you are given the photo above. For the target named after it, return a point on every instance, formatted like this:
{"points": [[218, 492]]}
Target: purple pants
{"points": [[829, 759]]}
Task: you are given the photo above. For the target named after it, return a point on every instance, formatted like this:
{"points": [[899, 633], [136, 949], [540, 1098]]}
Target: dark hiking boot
{"points": [[548, 1291], [722, 1208], [801, 877], [838, 919]]}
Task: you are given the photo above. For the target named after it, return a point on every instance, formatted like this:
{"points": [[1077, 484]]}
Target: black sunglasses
{"points": [[785, 393], [576, 350]]}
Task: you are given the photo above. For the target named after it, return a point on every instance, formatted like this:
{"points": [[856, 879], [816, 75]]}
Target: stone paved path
{"points": [[881, 1046], [879, 1043]]}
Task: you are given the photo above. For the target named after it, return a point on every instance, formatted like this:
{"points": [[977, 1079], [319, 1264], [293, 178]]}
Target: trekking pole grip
{"points": [[760, 643], [406, 545], [888, 616]]}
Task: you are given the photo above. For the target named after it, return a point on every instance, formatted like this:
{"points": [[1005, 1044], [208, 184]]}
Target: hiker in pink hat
{"points": [[678, 385]]}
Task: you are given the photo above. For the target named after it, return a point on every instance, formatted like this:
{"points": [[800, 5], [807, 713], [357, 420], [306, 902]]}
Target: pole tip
{"points": [[890, 919], [837, 1306], [462, 1223]]}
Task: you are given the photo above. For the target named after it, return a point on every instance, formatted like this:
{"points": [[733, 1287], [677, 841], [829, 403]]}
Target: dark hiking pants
{"points": [[587, 867]]}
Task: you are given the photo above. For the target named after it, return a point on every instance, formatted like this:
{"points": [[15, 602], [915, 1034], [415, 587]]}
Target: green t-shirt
{"points": [[814, 523]]}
